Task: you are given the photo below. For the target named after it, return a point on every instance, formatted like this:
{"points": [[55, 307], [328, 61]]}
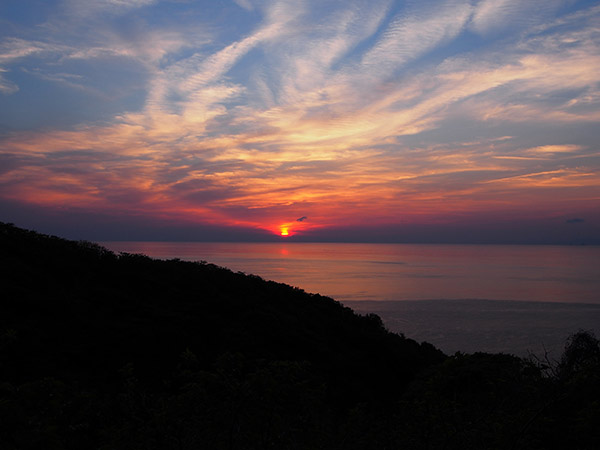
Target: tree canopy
{"points": [[120, 351]]}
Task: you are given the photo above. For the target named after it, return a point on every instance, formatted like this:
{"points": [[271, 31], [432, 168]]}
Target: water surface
{"points": [[405, 271], [514, 299]]}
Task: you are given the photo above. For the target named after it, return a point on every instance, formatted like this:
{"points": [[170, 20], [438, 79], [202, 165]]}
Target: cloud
{"points": [[84, 9], [374, 107], [491, 16], [13, 48], [410, 35], [544, 149], [576, 220], [246, 4], [7, 86]]}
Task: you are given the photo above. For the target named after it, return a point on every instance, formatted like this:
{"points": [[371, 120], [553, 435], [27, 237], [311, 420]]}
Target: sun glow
{"points": [[284, 231]]}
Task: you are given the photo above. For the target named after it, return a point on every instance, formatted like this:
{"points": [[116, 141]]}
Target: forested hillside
{"points": [[119, 351]]}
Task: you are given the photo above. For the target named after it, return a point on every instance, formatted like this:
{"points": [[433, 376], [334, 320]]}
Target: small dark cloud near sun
{"points": [[301, 219], [576, 220]]}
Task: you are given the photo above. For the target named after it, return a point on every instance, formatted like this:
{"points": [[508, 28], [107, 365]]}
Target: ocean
{"points": [[512, 299]]}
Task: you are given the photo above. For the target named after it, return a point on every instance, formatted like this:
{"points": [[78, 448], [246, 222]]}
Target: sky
{"points": [[473, 121]]}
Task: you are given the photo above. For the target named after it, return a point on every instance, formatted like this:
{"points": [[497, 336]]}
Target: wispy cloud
{"points": [[490, 16], [87, 8], [545, 149], [13, 49], [7, 86], [316, 109], [411, 34]]}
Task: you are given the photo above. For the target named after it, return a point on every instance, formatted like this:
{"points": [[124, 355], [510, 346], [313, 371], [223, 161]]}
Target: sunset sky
{"points": [[400, 121]]}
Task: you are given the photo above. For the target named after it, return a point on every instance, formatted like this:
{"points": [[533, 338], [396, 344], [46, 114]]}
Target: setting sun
{"points": [[284, 231]]}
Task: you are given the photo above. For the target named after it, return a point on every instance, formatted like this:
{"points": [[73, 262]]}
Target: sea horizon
{"points": [[316, 241], [516, 299]]}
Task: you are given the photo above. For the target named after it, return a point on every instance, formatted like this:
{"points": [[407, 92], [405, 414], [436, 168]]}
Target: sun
{"points": [[284, 231]]}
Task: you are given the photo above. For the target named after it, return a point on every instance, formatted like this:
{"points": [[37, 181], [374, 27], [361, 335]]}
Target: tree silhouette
{"points": [[120, 351]]}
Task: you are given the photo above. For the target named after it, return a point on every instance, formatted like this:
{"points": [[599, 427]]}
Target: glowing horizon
{"points": [[313, 116]]}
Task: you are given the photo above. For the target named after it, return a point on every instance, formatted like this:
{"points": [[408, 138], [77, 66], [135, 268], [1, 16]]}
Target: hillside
{"points": [[78, 313], [110, 351]]}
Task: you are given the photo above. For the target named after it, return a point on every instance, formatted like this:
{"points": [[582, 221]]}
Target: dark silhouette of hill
{"points": [[77, 312], [120, 351]]}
